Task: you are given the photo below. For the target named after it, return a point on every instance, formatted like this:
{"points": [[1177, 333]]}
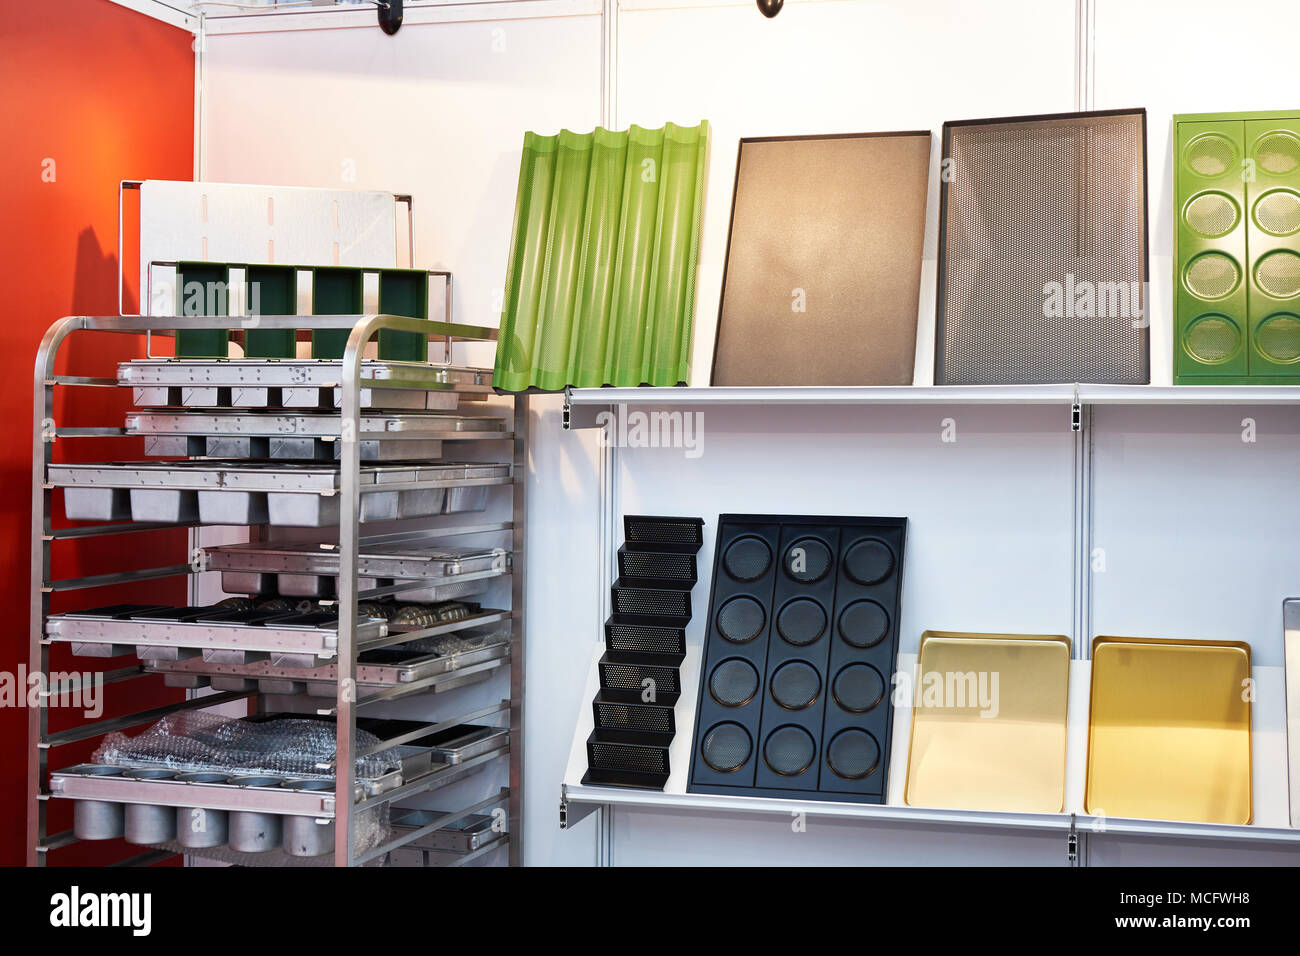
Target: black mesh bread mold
{"points": [[799, 653], [645, 642]]}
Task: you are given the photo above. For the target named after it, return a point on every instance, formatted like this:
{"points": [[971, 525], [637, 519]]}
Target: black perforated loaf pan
{"points": [[660, 533], [619, 759]]}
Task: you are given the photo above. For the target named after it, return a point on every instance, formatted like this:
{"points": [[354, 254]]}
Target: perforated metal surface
{"points": [[1278, 212], [801, 622], [648, 719], [644, 638], [1211, 155], [656, 565], [1212, 214], [853, 754], [858, 688], [1043, 257], [1278, 337], [654, 530], [1278, 153], [1212, 339], [651, 602], [741, 620], [863, 623], [1278, 274], [789, 750], [1212, 275], [621, 676], [795, 685], [747, 559], [608, 756], [807, 560], [726, 747], [733, 682]]}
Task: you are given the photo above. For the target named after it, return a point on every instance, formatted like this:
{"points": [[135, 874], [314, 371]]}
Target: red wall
{"points": [[90, 93]]}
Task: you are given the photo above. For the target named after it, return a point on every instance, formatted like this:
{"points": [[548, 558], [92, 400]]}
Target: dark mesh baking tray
{"points": [[800, 647]]}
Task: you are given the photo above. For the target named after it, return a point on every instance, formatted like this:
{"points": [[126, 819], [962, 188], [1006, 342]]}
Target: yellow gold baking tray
{"points": [[1169, 730], [1001, 747]]}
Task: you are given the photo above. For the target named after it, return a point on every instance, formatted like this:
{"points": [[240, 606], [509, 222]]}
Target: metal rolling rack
{"points": [[352, 636]]}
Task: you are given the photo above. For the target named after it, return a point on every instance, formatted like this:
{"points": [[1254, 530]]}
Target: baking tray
{"points": [[804, 609], [302, 383], [989, 722], [1169, 730], [469, 833], [170, 628], [306, 435], [1291, 628], [382, 667], [282, 493], [466, 741], [307, 571]]}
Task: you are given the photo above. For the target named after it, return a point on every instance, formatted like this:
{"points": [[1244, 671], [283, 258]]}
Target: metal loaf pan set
{"points": [[301, 435], [252, 812], [645, 640], [442, 663], [799, 653], [289, 494], [310, 571], [297, 383]]}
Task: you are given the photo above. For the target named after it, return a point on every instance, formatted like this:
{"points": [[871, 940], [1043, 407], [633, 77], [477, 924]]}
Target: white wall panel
{"points": [[837, 67], [1188, 57]]}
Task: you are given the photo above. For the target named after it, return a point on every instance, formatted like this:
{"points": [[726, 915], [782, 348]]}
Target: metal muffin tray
{"points": [[310, 436], [307, 571], [466, 657], [279, 493], [296, 383], [159, 633]]}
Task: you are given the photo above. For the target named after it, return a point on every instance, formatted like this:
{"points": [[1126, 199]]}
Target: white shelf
{"points": [[922, 816], [942, 395]]}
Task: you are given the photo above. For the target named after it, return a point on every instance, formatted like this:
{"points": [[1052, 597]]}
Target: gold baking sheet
{"points": [[1169, 730], [1002, 747]]}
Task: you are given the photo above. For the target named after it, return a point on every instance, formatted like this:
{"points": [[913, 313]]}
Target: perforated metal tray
{"points": [[306, 571], [204, 629], [300, 383]]}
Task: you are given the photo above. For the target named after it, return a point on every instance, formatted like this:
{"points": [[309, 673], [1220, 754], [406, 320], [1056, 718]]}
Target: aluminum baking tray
{"points": [[989, 722], [300, 383], [306, 571], [234, 492], [1169, 730], [310, 436], [291, 633], [382, 667], [465, 835], [466, 741]]}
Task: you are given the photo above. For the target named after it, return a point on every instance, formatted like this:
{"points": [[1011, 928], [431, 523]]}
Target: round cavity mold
{"points": [[868, 561], [198, 828], [789, 750], [864, 624], [853, 754], [741, 619], [795, 685], [801, 622], [807, 560], [858, 688], [734, 682], [726, 747], [747, 558]]}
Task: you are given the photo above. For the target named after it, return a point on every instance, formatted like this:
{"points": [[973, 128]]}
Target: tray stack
{"points": [[645, 640]]}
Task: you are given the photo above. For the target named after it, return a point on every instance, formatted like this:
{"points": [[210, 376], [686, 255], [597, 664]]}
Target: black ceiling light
{"points": [[770, 8]]}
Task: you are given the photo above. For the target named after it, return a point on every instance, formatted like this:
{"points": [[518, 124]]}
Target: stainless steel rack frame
{"points": [[352, 633]]}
